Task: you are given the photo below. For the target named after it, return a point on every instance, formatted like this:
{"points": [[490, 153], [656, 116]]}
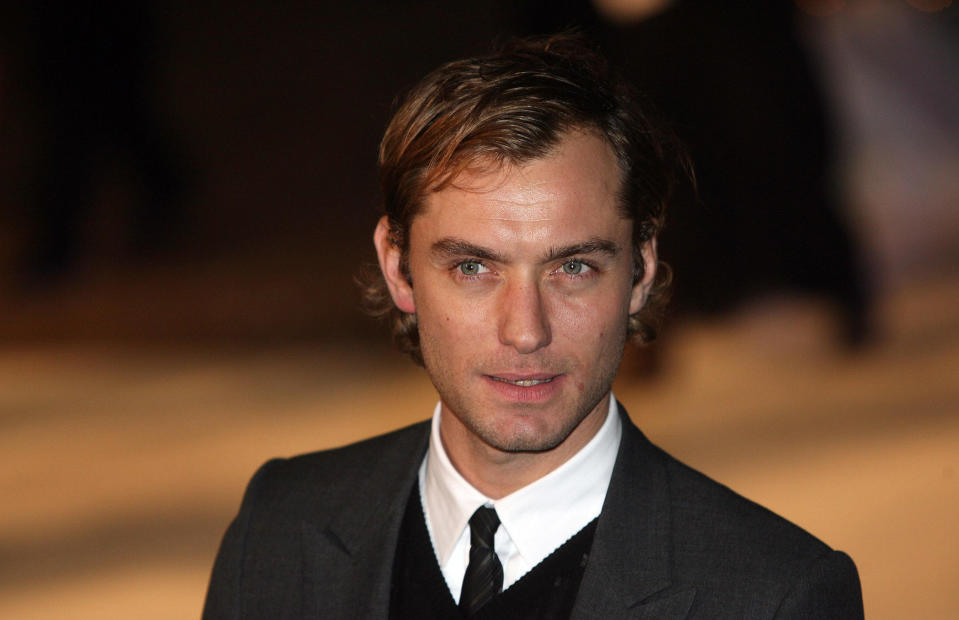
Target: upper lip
{"points": [[523, 376]]}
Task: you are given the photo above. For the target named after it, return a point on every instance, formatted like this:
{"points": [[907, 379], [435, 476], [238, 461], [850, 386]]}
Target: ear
{"points": [[641, 289], [389, 255]]}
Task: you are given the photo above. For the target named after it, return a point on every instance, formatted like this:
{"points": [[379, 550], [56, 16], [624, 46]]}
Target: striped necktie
{"points": [[484, 575]]}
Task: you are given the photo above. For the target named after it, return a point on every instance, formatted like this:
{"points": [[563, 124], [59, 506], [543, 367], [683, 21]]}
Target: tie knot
{"points": [[483, 526]]}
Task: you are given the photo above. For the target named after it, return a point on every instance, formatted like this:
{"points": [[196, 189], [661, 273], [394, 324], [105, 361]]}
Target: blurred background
{"points": [[188, 189]]}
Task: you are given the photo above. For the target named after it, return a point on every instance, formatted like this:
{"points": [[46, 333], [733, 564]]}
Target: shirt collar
{"points": [[567, 498]]}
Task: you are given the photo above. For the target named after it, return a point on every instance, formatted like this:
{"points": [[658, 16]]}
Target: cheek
{"points": [[590, 318], [446, 320]]}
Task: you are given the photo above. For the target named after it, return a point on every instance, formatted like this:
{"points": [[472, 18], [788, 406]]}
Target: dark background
{"points": [[273, 114], [244, 209]]}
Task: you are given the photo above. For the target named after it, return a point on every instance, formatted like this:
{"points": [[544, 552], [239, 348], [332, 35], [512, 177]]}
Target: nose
{"points": [[523, 320]]}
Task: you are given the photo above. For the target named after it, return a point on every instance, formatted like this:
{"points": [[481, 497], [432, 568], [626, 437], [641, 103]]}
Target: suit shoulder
{"points": [[757, 559], [709, 517], [710, 507], [328, 472], [364, 452], [292, 502]]}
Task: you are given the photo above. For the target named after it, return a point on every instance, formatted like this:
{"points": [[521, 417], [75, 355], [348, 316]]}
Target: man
{"points": [[523, 194]]}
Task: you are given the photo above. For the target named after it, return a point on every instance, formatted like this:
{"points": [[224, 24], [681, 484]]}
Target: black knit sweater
{"points": [[545, 593]]}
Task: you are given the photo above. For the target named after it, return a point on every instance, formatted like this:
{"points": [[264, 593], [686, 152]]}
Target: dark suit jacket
{"points": [[316, 535]]}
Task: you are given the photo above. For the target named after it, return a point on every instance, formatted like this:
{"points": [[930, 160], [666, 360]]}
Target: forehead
{"points": [[571, 192]]}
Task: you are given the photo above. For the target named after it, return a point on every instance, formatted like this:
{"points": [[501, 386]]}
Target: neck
{"points": [[496, 473]]}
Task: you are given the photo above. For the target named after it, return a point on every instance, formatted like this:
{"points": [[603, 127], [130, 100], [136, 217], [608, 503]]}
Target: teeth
{"points": [[524, 382]]}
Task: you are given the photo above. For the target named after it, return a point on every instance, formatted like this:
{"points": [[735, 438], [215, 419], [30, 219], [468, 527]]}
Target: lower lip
{"points": [[541, 392]]}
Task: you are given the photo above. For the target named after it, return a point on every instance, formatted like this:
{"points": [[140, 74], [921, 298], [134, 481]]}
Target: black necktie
{"points": [[484, 575]]}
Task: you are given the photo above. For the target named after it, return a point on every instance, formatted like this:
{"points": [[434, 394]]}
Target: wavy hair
{"points": [[509, 108]]}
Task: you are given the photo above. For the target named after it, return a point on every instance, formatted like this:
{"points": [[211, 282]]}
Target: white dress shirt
{"points": [[534, 520]]}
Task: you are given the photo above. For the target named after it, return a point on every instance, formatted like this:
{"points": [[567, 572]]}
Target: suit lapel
{"points": [[628, 574], [348, 560]]}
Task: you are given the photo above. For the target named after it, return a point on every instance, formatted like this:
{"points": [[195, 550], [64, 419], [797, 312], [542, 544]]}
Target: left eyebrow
{"points": [[593, 246]]}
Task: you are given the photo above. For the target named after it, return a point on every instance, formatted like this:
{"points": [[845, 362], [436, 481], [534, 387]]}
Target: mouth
{"points": [[522, 382], [527, 387]]}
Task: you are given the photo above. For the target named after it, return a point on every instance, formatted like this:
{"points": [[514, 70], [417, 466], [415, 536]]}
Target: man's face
{"points": [[522, 286]]}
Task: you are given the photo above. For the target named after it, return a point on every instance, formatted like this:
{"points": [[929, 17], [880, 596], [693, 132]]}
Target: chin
{"points": [[525, 444], [525, 437]]}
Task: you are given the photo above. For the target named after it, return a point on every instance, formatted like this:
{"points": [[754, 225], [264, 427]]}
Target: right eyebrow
{"points": [[452, 247]]}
